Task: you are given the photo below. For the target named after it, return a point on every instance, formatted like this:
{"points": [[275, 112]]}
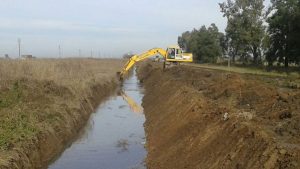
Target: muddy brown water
{"points": [[114, 137]]}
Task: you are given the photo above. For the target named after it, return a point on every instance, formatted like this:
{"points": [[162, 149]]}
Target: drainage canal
{"points": [[114, 137]]}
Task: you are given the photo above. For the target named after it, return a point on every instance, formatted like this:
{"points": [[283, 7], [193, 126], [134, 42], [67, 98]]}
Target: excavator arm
{"points": [[136, 58]]}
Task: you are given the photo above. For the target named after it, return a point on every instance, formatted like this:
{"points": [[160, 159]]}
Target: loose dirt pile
{"points": [[44, 104], [199, 118]]}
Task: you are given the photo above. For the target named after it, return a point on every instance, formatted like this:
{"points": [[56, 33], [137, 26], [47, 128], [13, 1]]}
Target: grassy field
{"points": [[75, 73], [247, 70], [278, 78], [43, 96]]}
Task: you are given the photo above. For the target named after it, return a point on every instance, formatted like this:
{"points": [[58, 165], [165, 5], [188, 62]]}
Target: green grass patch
{"points": [[15, 127], [11, 97], [247, 70], [15, 124]]}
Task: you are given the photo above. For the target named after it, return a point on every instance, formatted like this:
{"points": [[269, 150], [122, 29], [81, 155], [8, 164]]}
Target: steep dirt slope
{"points": [[186, 127]]}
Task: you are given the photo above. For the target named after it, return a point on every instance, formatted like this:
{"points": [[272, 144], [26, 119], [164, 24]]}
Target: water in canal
{"points": [[114, 137]]}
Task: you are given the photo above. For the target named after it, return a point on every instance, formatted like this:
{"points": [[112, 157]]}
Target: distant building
{"points": [[27, 57], [6, 56]]}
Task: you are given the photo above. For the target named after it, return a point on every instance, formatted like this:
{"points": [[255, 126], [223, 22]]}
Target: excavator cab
{"points": [[171, 53], [175, 54]]}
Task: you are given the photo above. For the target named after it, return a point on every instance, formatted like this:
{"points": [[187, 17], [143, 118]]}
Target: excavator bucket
{"points": [[119, 76]]}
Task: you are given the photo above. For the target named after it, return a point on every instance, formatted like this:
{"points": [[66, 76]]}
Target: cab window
{"points": [[171, 53], [178, 52]]}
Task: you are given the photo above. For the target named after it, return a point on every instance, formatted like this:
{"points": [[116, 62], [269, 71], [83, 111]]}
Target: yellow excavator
{"points": [[173, 54]]}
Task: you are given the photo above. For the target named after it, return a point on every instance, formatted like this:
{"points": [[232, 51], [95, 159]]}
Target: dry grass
{"points": [[74, 73]]}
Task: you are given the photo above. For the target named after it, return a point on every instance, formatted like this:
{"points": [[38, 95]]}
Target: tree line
{"points": [[254, 34]]}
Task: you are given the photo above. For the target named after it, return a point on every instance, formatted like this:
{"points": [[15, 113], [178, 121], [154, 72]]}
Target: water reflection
{"points": [[132, 104], [114, 137]]}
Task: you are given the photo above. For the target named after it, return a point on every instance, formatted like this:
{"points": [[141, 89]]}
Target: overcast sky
{"points": [[106, 27]]}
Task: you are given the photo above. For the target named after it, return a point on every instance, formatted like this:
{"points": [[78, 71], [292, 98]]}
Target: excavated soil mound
{"points": [[200, 118]]}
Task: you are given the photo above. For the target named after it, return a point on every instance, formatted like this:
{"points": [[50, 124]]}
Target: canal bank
{"points": [[45, 102]]}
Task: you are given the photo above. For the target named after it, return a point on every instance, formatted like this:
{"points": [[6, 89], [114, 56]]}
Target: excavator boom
{"points": [[143, 56]]}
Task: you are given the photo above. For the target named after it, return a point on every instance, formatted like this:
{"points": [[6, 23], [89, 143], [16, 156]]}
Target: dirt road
{"points": [[199, 118]]}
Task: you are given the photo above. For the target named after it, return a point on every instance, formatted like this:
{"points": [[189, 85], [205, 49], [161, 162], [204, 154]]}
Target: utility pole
{"points": [[19, 45], [59, 51], [91, 53]]}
